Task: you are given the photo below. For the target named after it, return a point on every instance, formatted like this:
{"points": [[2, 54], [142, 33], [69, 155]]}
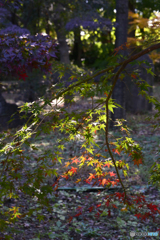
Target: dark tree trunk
{"points": [[77, 49], [121, 38], [63, 47], [132, 9], [6, 112], [61, 34]]}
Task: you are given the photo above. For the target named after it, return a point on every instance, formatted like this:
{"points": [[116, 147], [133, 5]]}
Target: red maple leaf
{"points": [[78, 214], [152, 207], [119, 195], [138, 215], [112, 174], [73, 170], [70, 219], [97, 215], [23, 76], [133, 75], [90, 209], [98, 205], [107, 203]]}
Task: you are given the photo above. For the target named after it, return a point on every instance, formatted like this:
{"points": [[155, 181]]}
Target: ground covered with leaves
{"points": [[73, 196]]}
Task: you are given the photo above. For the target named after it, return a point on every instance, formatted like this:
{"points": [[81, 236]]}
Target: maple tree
{"points": [[71, 125], [14, 145]]}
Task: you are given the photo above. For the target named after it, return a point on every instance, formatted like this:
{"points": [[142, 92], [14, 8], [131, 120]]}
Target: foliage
{"points": [[106, 165], [22, 173]]}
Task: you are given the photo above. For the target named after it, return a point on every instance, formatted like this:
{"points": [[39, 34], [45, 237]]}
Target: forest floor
{"points": [[55, 224]]}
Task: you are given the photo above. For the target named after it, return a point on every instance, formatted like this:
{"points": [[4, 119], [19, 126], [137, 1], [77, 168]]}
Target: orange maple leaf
{"points": [[78, 180], [113, 183], [137, 161], [91, 177], [116, 151], [133, 76], [114, 205], [67, 164], [75, 160], [107, 164], [104, 181]]}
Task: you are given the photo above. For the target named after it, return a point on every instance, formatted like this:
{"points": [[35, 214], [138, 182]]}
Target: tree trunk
{"points": [[121, 38], [61, 34], [77, 49], [6, 111], [132, 9], [63, 47]]}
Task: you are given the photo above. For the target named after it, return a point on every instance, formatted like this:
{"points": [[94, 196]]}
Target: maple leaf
{"points": [[113, 183], [133, 76], [78, 214], [104, 181], [138, 215], [97, 215], [91, 177], [70, 219], [107, 203], [112, 174], [119, 195], [108, 164], [137, 161], [79, 208], [78, 180], [98, 205], [116, 151], [90, 209], [67, 164], [124, 209], [113, 205], [75, 161], [146, 215], [73, 170], [152, 207], [23, 76]]}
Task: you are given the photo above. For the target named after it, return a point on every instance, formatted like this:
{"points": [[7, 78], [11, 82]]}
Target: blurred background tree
{"points": [[85, 31]]}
